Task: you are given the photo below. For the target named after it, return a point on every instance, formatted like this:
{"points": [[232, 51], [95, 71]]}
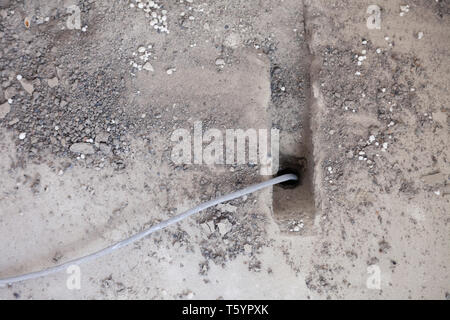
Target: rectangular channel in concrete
{"points": [[293, 209]]}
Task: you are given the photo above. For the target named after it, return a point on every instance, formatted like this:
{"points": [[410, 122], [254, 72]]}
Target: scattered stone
{"points": [[171, 71], [226, 207], [83, 148], [13, 121], [224, 227], [420, 35], [404, 9], [155, 12], [220, 62], [27, 85], [144, 54], [208, 226], [102, 137], [233, 40], [10, 93], [148, 67], [4, 110], [53, 82]]}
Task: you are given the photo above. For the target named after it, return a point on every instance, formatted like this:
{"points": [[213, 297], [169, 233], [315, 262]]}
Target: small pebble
{"points": [[148, 67], [220, 62]]}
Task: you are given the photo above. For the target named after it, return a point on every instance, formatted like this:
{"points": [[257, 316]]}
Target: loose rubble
{"points": [[155, 12]]}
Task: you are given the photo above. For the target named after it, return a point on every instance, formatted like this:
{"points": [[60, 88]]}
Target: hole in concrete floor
{"points": [[291, 184], [291, 109], [293, 204]]}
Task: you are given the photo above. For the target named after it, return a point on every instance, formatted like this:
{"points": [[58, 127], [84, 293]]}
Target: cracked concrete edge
{"points": [[312, 25]]}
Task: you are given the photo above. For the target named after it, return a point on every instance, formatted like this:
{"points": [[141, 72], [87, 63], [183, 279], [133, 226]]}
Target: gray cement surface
{"points": [[87, 113]]}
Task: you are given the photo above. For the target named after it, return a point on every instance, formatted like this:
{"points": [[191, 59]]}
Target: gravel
{"points": [[82, 148]]}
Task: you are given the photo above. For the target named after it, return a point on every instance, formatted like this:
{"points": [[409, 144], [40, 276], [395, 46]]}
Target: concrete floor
{"points": [[369, 108]]}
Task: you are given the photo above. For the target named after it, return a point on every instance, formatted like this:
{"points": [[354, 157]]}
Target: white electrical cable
{"points": [[159, 226]]}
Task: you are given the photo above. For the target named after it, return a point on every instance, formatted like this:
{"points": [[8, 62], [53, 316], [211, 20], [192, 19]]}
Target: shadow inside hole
{"points": [[295, 166], [293, 201]]}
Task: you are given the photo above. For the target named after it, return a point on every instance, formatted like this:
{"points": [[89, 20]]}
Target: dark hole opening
{"points": [[291, 184], [295, 166]]}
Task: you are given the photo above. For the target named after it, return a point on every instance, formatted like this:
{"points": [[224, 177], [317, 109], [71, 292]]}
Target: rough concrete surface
{"points": [[87, 114]]}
